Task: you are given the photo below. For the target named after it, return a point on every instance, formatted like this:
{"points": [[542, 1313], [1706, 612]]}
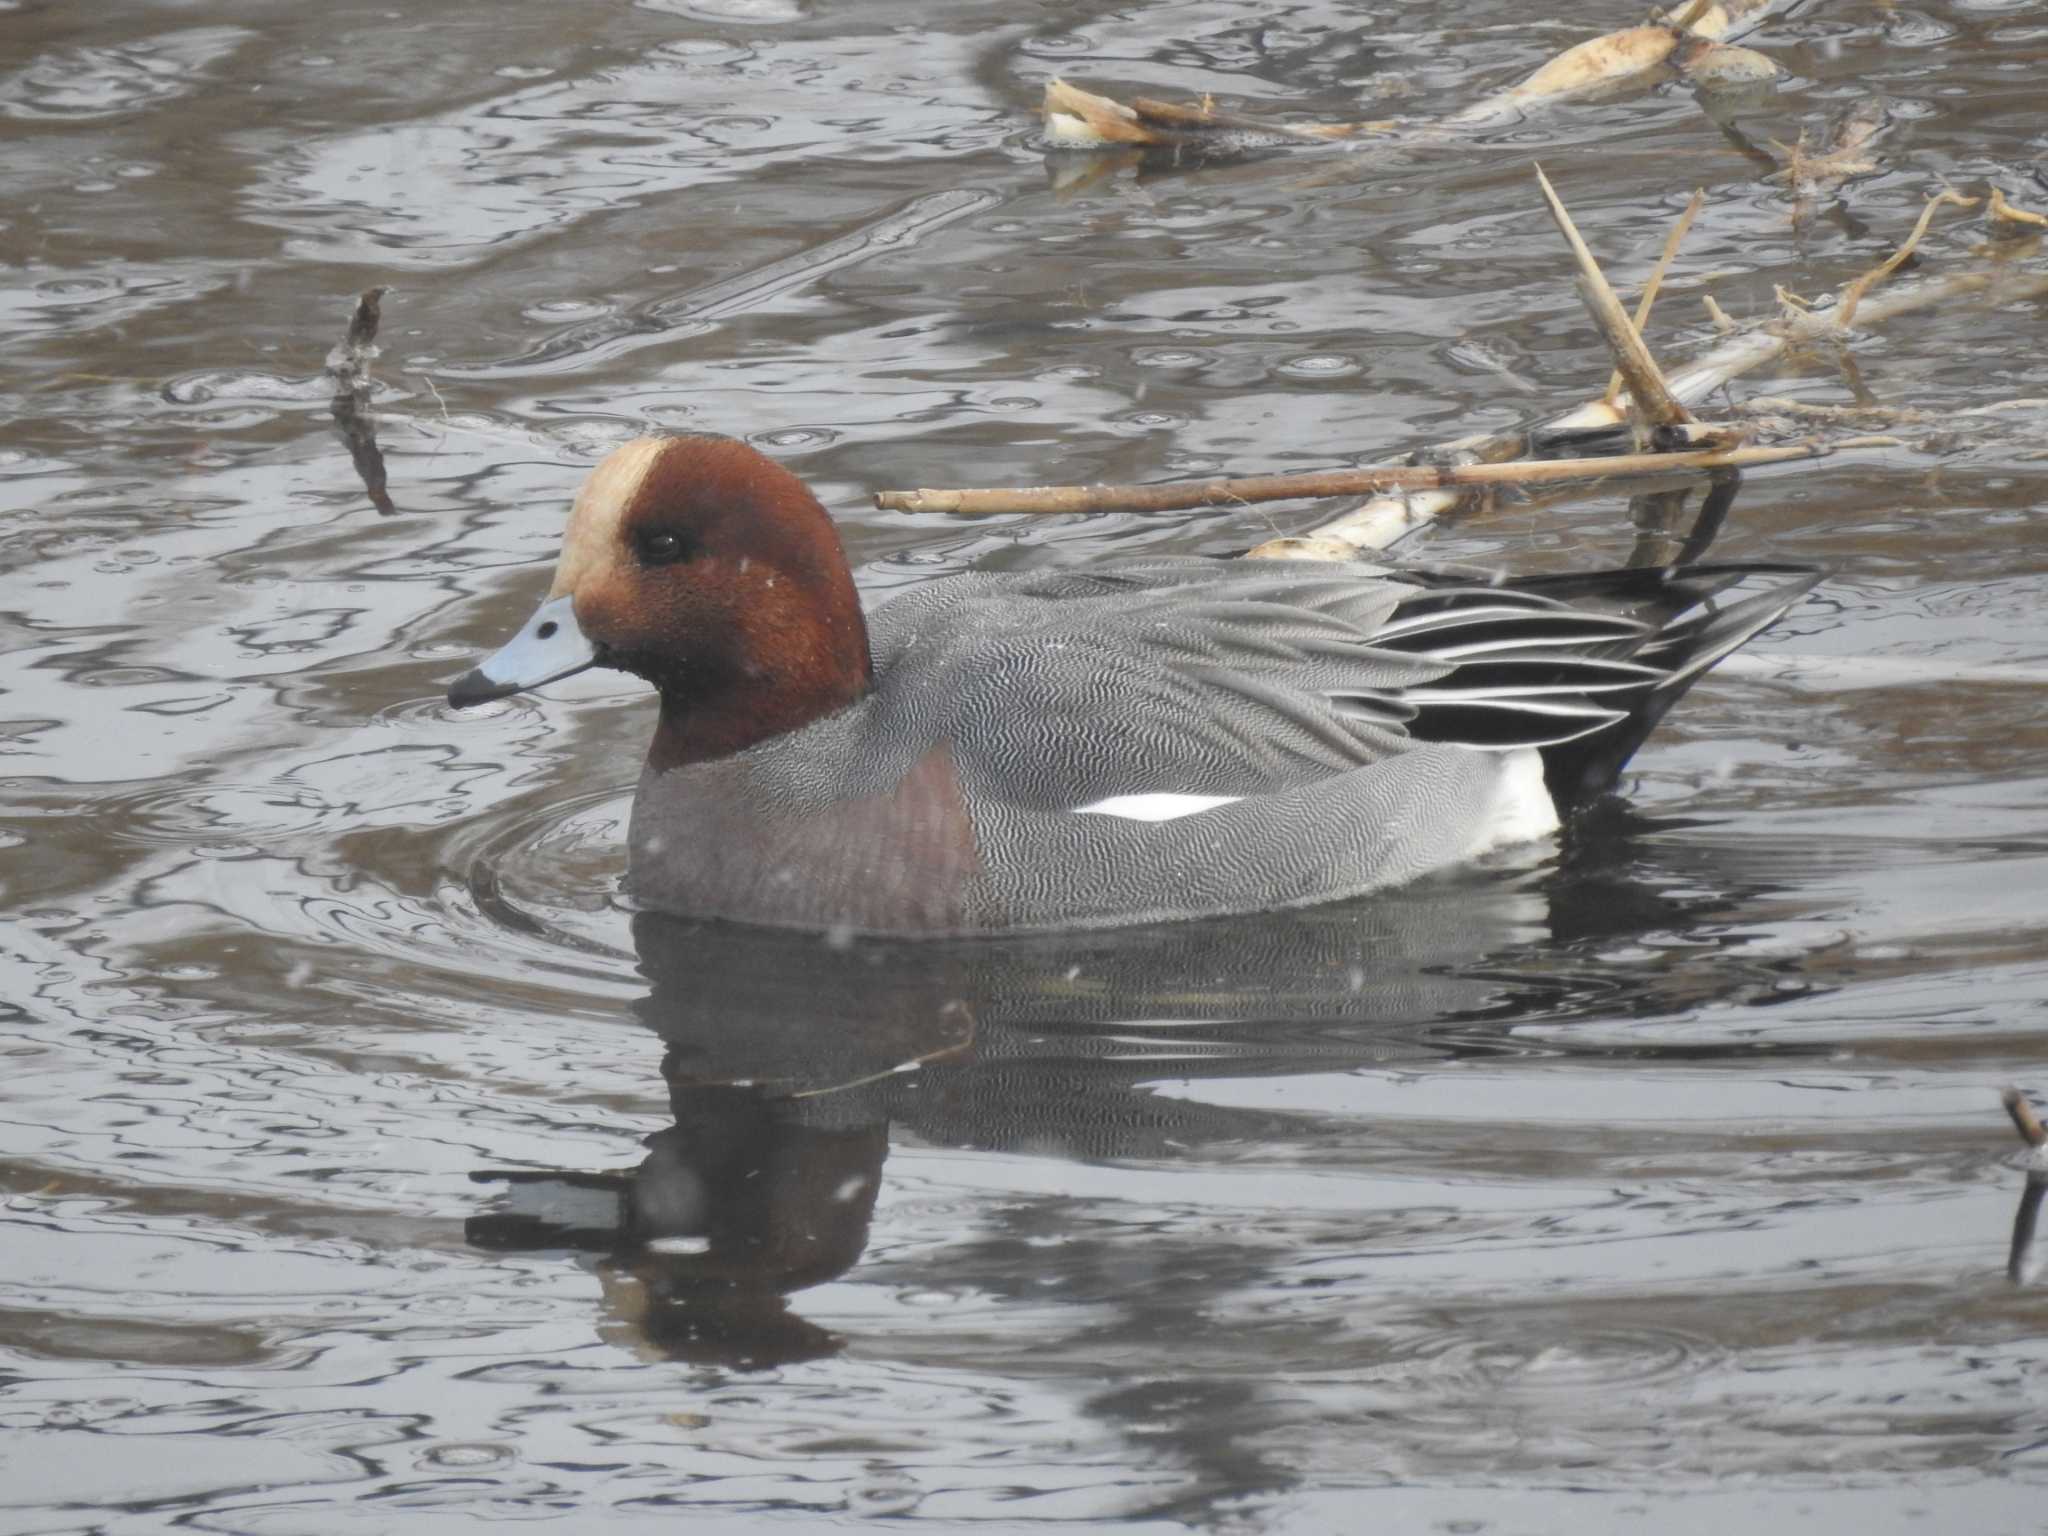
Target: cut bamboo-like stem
{"points": [[1654, 401]]}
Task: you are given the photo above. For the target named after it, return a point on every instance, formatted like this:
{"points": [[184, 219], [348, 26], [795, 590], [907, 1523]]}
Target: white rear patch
{"points": [[1522, 809], [1160, 807]]}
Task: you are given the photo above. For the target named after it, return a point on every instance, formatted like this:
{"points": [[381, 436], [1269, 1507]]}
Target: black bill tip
{"points": [[473, 688]]}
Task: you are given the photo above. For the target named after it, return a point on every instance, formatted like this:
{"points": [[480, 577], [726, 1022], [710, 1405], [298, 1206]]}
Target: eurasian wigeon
{"points": [[1138, 740]]}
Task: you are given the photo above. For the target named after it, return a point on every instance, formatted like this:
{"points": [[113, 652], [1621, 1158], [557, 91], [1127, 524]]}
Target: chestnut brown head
{"points": [[711, 571]]}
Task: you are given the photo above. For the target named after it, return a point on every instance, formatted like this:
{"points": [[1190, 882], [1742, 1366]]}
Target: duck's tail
{"points": [[1581, 667]]}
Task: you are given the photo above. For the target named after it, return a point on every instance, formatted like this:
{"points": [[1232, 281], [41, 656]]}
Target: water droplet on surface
{"points": [[795, 437], [1168, 357], [468, 1456], [1321, 365]]}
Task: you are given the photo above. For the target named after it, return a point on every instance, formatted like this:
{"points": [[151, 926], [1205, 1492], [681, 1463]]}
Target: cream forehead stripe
{"points": [[587, 541]]}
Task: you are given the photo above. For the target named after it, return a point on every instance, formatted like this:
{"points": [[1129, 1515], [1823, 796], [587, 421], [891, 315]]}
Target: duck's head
{"points": [[709, 570]]}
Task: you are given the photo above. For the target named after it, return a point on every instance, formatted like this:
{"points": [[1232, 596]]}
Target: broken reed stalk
{"points": [[1654, 403]]}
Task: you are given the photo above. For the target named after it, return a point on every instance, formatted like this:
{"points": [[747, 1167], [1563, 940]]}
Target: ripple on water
{"points": [[71, 84], [1321, 365], [1172, 357], [547, 872], [224, 384], [1573, 1365], [794, 437], [236, 815]]}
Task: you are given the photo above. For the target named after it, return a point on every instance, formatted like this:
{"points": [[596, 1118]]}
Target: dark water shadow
{"points": [[790, 1060]]}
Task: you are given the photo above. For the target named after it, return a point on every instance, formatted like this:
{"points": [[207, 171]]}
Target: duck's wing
{"points": [[1164, 684], [1056, 690]]}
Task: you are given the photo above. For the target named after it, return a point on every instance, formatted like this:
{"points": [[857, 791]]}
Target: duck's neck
{"points": [[797, 652]]}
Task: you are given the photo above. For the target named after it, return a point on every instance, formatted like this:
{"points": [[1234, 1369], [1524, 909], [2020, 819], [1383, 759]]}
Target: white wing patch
{"points": [[1155, 807]]}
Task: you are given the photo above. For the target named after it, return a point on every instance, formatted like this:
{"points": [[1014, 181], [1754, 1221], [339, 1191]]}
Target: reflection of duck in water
{"points": [[749, 1196], [790, 1059], [1136, 741]]}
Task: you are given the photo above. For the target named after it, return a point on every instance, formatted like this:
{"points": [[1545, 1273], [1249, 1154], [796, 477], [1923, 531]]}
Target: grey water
{"points": [[368, 1164]]}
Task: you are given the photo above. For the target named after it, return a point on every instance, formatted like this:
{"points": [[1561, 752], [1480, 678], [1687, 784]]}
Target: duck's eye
{"points": [[659, 547]]}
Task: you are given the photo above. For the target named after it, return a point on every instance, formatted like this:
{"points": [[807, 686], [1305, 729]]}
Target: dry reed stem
{"points": [[1853, 294], [1190, 495]]}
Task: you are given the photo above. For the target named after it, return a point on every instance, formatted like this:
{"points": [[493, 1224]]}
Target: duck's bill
{"points": [[549, 647]]}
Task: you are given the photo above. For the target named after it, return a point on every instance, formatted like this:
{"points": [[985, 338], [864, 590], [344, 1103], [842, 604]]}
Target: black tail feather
{"points": [[1586, 699]]}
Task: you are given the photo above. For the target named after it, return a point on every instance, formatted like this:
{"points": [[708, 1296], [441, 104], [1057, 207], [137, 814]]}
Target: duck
{"points": [[1144, 739]]}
